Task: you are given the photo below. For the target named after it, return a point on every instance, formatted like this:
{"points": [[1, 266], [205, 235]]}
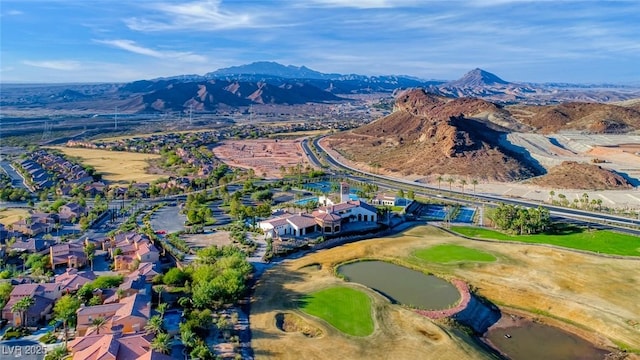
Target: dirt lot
{"points": [[198, 241], [598, 295], [265, 157], [116, 166]]}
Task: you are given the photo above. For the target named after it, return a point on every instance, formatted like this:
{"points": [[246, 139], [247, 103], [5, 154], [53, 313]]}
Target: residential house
{"points": [[71, 212], [35, 224], [114, 346], [44, 295], [70, 254], [72, 279], [31, 245], [133, 247], [129, 315], [96, 188]]}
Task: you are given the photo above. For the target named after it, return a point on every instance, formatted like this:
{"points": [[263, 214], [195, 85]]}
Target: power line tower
{"points": [[115, 118], [46, 133]]}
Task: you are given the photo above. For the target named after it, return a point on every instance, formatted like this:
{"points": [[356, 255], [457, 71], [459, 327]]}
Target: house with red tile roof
{"points": [[114, 346], [72, 279], [132, 247], [44, 296], [129, 315], [70, 254]]}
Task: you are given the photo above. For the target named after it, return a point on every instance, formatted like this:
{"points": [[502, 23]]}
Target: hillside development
{"points": [[585, 294]]}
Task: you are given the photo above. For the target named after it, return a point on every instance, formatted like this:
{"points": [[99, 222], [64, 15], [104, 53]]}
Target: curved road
{"points": [[618, 222]]}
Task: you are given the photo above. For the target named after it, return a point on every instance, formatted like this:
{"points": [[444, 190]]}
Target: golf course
{"points": [[588, 295]]}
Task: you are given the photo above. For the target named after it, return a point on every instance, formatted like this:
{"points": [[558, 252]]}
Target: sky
{"points": [[45, 41]]}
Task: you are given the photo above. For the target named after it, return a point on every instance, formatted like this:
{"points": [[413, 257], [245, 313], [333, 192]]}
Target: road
{"points": [[16, 179], [614, 221]]}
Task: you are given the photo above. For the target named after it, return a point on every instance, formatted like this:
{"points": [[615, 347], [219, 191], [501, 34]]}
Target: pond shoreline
{"points": [[465, 297]]}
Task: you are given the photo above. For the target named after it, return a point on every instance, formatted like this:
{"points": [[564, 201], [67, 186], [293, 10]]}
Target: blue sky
{"points": [[519, 40]]}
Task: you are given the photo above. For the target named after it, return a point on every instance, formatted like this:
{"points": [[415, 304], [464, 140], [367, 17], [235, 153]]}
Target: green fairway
{"points": [[599, 241], [448, 253], [346, 309]]}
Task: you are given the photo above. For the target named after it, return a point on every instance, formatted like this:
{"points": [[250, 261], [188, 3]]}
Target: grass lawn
{"points": [[448, 253], [346, 309], [600, 241], [115, 166], [10, 215]]}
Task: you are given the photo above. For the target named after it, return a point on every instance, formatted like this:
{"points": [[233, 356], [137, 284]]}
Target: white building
{"points": [[326, 220]]}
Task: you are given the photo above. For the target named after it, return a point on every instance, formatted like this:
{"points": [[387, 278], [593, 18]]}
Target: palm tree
{"points": [[154, 325], [162, 309], [463, 182], [24, 256], [159, 290], [21, 307], [99, 323], [439, 178], [188, 337], [474, 182], [162, 343], [58, 353], [450, 181]]}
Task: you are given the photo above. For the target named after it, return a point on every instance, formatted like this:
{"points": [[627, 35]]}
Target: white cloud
{"points": [[200, 15], [363, 4], [131, 46], [66, 65], [14, 12]]}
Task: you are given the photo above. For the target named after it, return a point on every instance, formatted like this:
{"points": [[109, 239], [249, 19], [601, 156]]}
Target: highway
{"points": [[624, 224]]}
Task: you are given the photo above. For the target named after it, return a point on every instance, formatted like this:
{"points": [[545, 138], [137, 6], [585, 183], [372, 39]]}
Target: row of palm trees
{"points": [[462, 182]]}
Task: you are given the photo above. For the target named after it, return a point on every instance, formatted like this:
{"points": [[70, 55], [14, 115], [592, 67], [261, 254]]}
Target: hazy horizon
{"points": [[73, 41]]}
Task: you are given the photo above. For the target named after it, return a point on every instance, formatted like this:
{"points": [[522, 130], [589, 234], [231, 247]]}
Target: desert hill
{"points": [[431, 135], [477, 77], [573, 175], [592, 117]]}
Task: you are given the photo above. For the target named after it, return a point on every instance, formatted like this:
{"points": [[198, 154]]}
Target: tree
{"points": [[58, 353], [411, 195], [24, 256], [90, 250], [154, 325], [474, 182], [201, 351], [439, 178], [188, 337], [159, 290], [37, 263], [162, 309], [21, 307], [450, 181], [400, 194], [162, 343], [463, 182], [5, 293], [99, 323], [65, 311]]}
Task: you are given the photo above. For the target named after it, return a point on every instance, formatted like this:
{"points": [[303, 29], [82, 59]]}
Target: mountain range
{"points": [[274, 83]]}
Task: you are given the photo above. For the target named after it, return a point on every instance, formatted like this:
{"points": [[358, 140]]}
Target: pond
{"points": [[527, 340], [403, 285]]}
